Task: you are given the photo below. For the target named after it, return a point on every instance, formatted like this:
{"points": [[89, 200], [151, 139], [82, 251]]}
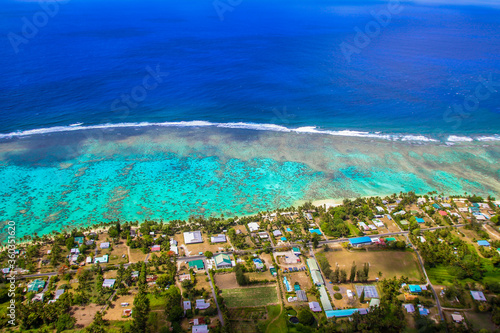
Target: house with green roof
{"points": [[36, 285], [296, 251], [197, 264], [222, 261], [102, 260]]}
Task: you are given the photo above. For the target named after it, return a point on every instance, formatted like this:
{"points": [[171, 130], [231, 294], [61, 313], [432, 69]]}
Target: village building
{"points": [[192, 237], [218, 239]]}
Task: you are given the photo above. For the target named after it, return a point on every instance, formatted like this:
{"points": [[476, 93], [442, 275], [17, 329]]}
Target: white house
{"points": [[193, 237], [253, 226], [218, 239], [315, 307], [201, 304]]}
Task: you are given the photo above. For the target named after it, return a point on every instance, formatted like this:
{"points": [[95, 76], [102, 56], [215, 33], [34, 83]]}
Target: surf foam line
{"points": [[247, 126]]}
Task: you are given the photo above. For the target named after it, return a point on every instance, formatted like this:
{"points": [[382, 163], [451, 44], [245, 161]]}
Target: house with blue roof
{"points": [[483, 243], [287, 284], [423, 311], [315, 231], [258, 263], [360, 241], [415, 288], [344, 313]]}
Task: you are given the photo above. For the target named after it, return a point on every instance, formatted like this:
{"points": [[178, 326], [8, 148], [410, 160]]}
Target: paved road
{"points": [[438, 303], [215, 297]]}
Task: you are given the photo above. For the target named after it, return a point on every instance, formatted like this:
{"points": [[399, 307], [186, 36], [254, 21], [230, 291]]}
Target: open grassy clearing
{"points": [[380, 261], [252, 296]]}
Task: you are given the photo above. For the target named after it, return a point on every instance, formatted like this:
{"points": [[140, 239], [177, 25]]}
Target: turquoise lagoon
{"points": [[61, 180]]}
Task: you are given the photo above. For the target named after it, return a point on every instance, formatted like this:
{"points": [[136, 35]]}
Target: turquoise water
{"points": [[56, 181]]}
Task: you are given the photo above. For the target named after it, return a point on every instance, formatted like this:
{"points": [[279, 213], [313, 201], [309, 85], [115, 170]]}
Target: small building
{"points": [[104, 259], [483, 243], [315, 307], [109, 283], [344, 313], [296, 251], [414, 288], [200, 329], [36, 285], [193, 237], [315, 231], [79, 240], [378, 223], [133, 233], [309, 216], [478, 296], [442, 213], [263, 235], [374, 302], [58, 294], [222, 261], [88, 260], [349, 293], [104, 245], [419, 220], [457, 318], [423, 311], [363, 226], [258, 263], [317, 278], [272, 270], [287, 284], [186, 305], [89, 242], [360, 241], [312, 264], [197, 264], [409, 308], [277, 233], [201, 304], [323, 298], [75, 250], [218, 239], [6, 270], [301, 295], [155, 248], [37, 298], [127, 312], [184, 277], [291, 258], [253, 226]]}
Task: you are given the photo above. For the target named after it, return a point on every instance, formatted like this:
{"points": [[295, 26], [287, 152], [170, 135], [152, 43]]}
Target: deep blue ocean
{"points": [[252, 61]]}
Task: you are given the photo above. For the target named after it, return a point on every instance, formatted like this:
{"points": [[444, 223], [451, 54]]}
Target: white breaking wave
{"points": [[249, 126], [454, 138]]}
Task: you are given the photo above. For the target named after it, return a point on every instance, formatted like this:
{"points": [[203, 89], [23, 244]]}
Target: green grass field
{"points": [[440, 275], [390, 263], [258, 296]]}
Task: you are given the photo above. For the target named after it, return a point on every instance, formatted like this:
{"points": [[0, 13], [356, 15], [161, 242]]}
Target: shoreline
{"points": [[406, 137]]}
